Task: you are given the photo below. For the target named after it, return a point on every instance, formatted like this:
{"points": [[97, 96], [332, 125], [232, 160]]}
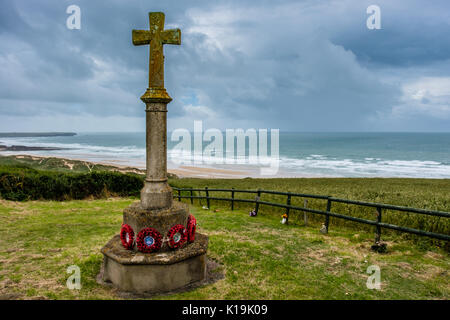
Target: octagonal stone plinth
{"points": [[160, 219], [154, 272]]}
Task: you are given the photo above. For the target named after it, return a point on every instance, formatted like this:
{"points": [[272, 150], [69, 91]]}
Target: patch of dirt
{"points": [[429, 272], [36, 298], [34, 256], [49, 284], [408, 270], [265, 231], [404, 265], [317, 255], [68, 164], [426, 273], [6, 283], [236, 237], [10, 296], [115, 199], [434, 255], [11, 260], [23, 212], [10, 250], [10, 204]]}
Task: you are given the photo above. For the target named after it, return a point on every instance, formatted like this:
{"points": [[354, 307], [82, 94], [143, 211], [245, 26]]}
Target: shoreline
{"points": [[183, 171], [303, 156]]}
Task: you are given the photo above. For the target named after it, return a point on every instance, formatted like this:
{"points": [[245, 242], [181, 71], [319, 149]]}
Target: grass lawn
{"points": [[261, 258], [432, 194]]}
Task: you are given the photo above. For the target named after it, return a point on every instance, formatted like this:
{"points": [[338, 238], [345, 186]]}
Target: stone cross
{"points": [[156, 192], [150, 263], [156, 37]]}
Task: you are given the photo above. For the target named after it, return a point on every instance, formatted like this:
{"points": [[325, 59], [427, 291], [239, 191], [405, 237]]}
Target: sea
{"points": [[355, 154]]}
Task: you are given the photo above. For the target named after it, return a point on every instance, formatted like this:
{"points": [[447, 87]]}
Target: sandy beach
{"points": [[182, 171], [200, 172]]}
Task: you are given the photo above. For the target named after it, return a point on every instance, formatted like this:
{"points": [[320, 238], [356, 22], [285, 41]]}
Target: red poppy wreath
{"points": [[191, 227], [177, 236], [148, 240], [127, 236]]}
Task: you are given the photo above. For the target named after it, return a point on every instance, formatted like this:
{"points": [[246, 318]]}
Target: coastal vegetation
{"points": [[431, 194], [253, 257], [19, 183], [27, 178], [59, 164]]}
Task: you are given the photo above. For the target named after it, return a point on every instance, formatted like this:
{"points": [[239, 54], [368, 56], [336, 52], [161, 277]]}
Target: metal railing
{"points": [[327, 213]]}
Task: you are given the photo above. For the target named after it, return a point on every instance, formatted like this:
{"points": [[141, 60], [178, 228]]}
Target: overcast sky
{"points": [[292, 65]]}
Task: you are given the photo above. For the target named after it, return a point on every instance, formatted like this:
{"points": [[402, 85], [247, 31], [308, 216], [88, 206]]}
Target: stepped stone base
{"points": [[156, 272], [160, 219]]}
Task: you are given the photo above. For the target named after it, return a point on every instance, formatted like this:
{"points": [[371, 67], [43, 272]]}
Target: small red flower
{"points": [[148, 240], [127, 236], [191, 227], [177, 236]]}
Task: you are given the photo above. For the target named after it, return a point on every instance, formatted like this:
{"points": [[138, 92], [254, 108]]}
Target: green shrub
{"points": [[19, 183]]}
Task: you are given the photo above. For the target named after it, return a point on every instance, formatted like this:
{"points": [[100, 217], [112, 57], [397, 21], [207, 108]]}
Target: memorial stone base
{"points": [[158, 272]]}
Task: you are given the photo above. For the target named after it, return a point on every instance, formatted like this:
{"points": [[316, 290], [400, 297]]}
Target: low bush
{"points": [[21, 183]]}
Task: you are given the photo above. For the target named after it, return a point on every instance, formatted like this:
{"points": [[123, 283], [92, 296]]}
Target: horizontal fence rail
{"points": [[328, 213]]}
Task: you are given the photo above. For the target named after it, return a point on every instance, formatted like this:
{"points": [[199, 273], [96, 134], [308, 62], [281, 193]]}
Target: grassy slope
{"points": [[430, 194], [261, 258], [62, 165], [53, 164]]}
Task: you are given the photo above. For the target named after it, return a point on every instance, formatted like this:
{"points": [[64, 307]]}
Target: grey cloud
{"points": [[310, 65], [413, 33]]}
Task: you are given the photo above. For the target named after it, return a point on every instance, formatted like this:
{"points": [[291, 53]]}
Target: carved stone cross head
{"points": [[156, 37]]}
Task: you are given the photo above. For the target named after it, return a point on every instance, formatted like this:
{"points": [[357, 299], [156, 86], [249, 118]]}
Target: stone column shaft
{"points": [[156, 140], [156, 194]]}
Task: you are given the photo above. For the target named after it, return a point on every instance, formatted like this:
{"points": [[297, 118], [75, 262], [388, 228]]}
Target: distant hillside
{"points": [[35, 134], [61, 165]]}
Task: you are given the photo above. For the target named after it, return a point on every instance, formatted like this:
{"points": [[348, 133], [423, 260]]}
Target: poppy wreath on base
{"points": [[148, 240], [177, 236], [191, 227], [127, 236]]}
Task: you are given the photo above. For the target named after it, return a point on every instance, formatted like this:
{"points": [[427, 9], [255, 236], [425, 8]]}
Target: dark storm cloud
{"points": [[413, 33], [310, 65]]}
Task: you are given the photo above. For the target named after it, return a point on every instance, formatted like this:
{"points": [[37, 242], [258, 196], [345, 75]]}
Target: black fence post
{"points": [[257, 201], [179, 195], [288, 202], [207, 197], [327, 217], [378, 229], [305, 214], [192, 199], [232, 198]]}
